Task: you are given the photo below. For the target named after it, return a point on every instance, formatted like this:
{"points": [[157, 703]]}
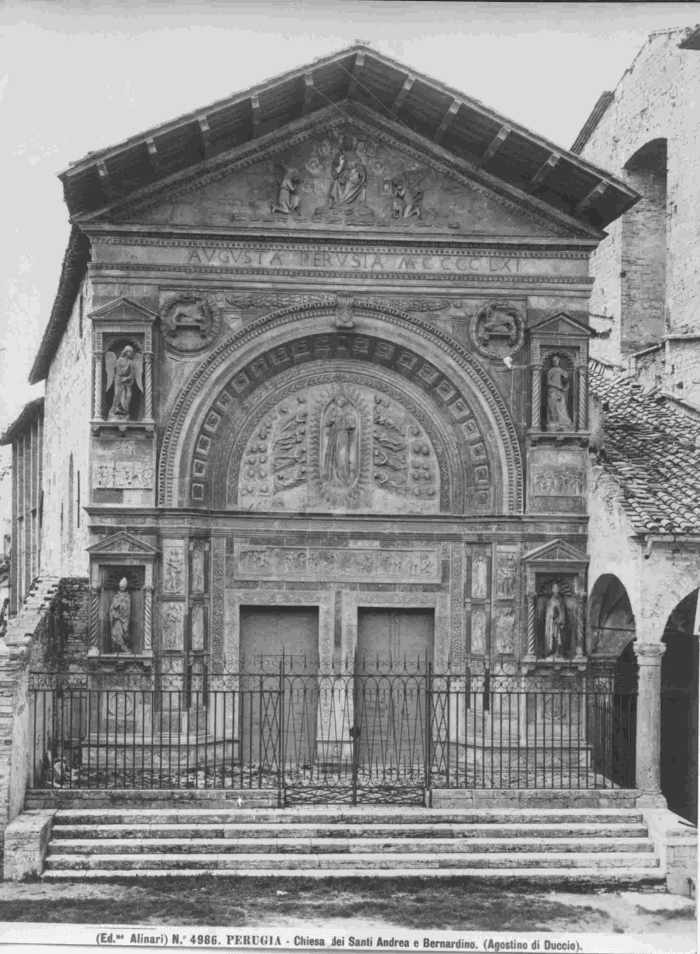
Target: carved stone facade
{"points": [[336, 366]]}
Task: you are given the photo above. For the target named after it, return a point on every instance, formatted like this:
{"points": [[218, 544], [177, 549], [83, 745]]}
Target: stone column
{"points": [[97, 395], [648, 778], [530, 653]]}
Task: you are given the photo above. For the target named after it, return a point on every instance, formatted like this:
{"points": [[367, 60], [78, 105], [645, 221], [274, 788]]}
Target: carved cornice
{"points": [[372, 276], [474, 248], [477, 376]]}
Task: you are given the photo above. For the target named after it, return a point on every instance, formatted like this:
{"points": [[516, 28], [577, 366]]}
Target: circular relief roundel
{"points": [[191, 323], [498, 329]]}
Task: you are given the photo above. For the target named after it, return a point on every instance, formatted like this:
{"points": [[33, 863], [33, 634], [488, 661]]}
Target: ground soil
{"points": [[353, 904]]}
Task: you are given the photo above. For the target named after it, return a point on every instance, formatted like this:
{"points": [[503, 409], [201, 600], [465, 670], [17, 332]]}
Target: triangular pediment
{"points": [[123, 309], [561, 324], [558, 551], [346, 175], [122, 544]]}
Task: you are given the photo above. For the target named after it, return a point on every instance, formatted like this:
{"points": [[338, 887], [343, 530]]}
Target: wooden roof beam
{"points": [[255, 106], [402, 93], [153, 156], [308, 93], [106, 181], [356, 67], [205, 133], [600, 189], [544, 170], [447, 120], [495, 145]]}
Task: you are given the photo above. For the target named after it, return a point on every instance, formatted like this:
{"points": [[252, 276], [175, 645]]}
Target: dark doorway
{"points": [[394, 650], [679, 711], [278, 685]]}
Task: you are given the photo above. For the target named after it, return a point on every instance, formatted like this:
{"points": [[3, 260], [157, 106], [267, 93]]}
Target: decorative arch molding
{"points": [[224, 386]]}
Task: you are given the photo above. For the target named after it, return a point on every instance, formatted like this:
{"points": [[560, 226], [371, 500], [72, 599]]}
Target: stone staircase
{"points": [[548, 846]]}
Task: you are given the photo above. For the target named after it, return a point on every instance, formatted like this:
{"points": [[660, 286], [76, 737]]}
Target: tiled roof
{"points": [[652, 449]]}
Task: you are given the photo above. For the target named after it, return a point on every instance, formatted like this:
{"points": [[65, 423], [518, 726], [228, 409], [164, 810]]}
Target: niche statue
{"points": [[119, 614], [554, 621], [558, 418], [123, 372]]}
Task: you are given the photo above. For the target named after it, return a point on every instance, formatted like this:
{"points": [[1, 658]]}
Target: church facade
{"points": [[317, 403]]}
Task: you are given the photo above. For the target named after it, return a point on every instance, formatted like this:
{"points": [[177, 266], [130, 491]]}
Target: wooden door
{"points": [[394, 648], [278, 714]]}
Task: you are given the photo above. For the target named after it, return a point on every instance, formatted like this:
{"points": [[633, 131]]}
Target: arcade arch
{"points": [[679, 709]]}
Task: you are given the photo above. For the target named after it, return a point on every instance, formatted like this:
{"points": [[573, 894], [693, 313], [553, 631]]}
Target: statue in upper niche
{"points": [[288, 201], [119, 613], [348, 177], [123, 373], [558, 386]]}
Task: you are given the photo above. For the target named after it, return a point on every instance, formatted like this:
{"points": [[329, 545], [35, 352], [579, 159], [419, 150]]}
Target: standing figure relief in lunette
{"points": [[341, 456]]}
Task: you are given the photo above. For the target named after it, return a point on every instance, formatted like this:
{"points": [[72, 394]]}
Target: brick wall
{"points": [[658, 98], [66, 434]]}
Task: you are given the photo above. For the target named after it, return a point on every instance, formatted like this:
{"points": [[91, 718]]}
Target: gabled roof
{"points": [[652, 450], [490, 144], [29, 413], [457, 123]]}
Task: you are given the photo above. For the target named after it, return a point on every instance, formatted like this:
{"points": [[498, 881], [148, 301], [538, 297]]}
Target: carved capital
{"points": [[649, 654]]}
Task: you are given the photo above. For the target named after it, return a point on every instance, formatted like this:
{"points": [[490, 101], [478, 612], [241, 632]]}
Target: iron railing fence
{"points": [[367, 730]]}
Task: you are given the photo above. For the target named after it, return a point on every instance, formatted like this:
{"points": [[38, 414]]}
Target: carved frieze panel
{"points": [[344, 445], [419, 565], [557, 479], [174, 567], [172, 627]]}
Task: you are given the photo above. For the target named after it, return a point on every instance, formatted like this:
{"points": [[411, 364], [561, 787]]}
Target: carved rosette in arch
{"points": [[449, 387]]}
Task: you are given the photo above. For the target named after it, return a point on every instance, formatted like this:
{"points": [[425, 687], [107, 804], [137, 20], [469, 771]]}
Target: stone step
{"points": [[63, 831], [542, 877], [350, 816], [417, 862], [131, 846]]}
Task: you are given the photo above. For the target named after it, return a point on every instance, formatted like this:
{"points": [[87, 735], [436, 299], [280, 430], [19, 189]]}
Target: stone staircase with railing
{"points": [[599, 847]]}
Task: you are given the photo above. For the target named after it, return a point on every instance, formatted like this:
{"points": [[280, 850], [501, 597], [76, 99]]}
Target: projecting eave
{"points": [[458, 124], [29, 413]]}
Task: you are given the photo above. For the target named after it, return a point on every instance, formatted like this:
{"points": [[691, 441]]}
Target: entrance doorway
{"points": [[395, 648], [679, 711], [278, 686]]}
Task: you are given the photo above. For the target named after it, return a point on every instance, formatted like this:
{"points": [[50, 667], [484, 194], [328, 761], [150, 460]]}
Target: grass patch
{"points": [[459, 904]]}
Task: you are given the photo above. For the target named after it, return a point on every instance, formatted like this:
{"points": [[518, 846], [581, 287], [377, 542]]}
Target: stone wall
{"points": [[658, 98], [66, 439]]}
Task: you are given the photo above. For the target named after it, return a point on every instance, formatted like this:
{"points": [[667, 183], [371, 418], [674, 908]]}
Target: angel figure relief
{"points": [[407, 192], [288, 179], [123, 373]]}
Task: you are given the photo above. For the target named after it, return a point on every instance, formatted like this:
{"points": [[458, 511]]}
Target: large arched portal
{"points": [[679, 709]]}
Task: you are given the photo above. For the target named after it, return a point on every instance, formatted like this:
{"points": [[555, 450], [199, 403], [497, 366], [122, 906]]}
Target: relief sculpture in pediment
{"points": [[345, 176]]}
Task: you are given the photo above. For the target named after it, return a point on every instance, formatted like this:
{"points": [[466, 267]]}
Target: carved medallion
{"points": [[498, 329], [191, 322]]}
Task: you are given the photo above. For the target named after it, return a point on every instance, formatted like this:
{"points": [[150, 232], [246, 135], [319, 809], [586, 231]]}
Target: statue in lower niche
{"points": [[119, 615], [554, 622], [558, 387], [123, 373]]}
